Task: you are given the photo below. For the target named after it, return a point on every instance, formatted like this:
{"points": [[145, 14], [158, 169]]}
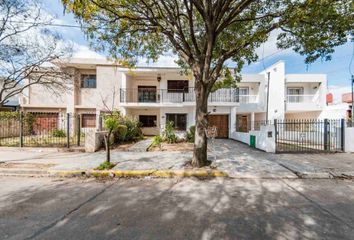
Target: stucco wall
{"points": [[107, 89], [263, 141], [349, 142]]}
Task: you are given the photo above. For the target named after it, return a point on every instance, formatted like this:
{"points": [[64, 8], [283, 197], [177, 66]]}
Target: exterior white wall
{"points": [[263, 141], [349, 142], [276, 104], [241, 136]]}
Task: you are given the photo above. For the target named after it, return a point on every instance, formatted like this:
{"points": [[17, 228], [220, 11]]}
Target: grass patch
{"points": [[105, 166]]}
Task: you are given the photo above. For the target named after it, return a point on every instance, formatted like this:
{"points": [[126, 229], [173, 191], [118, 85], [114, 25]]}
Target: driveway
{"points": [[239, 157], [241, 161]]}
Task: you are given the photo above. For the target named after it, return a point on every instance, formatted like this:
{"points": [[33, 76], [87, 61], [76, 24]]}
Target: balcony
{"points": [[302, 102], [153, 95]]}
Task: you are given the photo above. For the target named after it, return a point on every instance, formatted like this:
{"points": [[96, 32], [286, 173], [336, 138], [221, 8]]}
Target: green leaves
{"points": [[205, 35]]}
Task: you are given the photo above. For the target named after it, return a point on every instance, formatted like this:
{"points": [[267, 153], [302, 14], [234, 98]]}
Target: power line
{"points": [[46, 24]]}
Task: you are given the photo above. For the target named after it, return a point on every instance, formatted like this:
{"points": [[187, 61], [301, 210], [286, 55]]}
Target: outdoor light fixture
{"points": [[159, 77]]}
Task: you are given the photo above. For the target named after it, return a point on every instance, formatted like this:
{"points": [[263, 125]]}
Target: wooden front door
{"points": [[222, 124]]}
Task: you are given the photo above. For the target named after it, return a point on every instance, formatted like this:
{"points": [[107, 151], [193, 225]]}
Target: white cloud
{"points": [[337, 92], [82, 51], [167, 60]]}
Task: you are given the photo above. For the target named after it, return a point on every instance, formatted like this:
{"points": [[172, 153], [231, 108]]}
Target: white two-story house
{"points": [[157, 95]]}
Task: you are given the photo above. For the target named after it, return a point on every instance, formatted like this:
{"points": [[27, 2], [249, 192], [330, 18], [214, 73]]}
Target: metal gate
{"points": [[309, 135]]}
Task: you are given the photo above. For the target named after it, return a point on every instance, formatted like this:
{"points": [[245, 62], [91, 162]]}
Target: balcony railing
{"points": [[129, 95], [301, 99]]}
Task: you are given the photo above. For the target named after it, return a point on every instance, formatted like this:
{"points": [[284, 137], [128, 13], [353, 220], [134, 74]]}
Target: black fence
{"points": [[309, 135], [42, 129]]}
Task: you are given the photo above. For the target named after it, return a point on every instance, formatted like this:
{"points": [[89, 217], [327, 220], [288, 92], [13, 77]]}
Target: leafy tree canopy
{"points": [[205, 34]]}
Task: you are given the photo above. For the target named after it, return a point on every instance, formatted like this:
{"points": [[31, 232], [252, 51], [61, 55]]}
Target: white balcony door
{"points": [[295, 95], [244, 94]]}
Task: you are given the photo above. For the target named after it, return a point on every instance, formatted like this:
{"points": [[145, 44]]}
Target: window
{"points": [[179, 121], [242, 123], [148, 120], [88, 81], [88, 120], [295, 94], [177, 86], [147, 93], [243, 94]]}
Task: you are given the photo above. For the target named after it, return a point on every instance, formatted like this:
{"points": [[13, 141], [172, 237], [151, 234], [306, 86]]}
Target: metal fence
{"points": [[309, 135], [42, 129]]}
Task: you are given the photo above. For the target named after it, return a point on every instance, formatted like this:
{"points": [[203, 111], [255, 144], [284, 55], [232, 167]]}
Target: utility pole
{"points": [[268, 73]]}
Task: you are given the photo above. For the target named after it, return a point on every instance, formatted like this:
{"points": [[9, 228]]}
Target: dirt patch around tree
{"points": [[173, 147]]}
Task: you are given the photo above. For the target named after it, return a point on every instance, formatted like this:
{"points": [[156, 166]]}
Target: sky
{"points": [[337, 70]]}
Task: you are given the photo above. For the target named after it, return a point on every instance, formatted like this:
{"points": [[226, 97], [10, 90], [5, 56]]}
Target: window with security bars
{"points": [[177, 86], [88, 120], [88, 81], [147, 93], [148, 120], [179, 121]]}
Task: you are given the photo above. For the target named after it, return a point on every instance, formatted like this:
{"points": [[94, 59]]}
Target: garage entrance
{"points": [[221, 122]]}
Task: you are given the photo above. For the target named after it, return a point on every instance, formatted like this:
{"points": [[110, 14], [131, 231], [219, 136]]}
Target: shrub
{"points": [[156, 141], [120, 133], [133, 129], [58, 133], [105, 166], [190, 134], [168, 134]]}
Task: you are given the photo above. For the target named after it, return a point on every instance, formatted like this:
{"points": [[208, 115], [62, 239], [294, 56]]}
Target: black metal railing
{"points": [[41, 129], [131, 95], [310, 135]]}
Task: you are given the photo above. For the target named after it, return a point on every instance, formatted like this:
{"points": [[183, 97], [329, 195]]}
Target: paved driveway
{"points": [[235, 156], [241, 161]]}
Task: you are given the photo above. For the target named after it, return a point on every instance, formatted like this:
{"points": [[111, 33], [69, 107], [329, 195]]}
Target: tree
{"points": [[27, 47], [111, 124], [205, 34]]}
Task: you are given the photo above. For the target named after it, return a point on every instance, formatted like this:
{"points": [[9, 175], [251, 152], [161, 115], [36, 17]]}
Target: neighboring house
{"points": [[157, 95], [347, 98], [12, 104], [336, 109]]}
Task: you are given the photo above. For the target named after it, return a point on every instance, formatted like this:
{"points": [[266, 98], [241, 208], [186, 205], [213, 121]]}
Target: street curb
{"points": [[201, 173]]}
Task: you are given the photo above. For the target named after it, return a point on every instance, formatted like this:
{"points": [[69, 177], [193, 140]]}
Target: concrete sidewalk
{"points": [[235, 159]]}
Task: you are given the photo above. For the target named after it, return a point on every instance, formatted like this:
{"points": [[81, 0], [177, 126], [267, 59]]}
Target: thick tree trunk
{"points": [[200, 142]]}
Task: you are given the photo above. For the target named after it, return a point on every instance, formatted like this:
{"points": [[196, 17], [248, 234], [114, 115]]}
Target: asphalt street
{"points": [[47, 208]]}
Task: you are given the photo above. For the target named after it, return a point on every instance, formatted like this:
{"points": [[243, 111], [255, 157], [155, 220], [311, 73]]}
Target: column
{"points": [[252, 121], [232, 121]]}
